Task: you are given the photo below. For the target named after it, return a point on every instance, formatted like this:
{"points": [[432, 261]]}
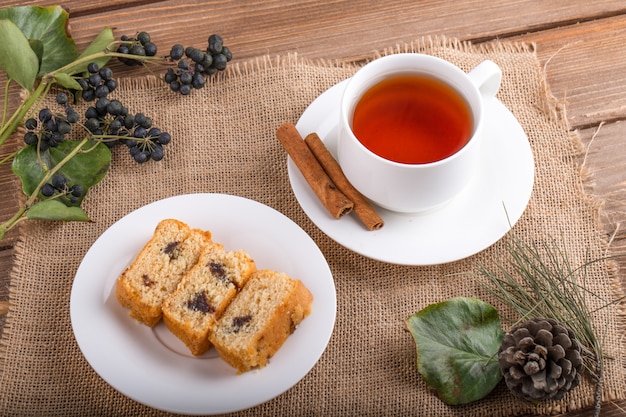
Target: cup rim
{"points": [[477, 112]]}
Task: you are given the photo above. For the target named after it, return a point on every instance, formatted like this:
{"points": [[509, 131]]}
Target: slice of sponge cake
{"points": [[260, 318], [158, 268], [191, 311]]}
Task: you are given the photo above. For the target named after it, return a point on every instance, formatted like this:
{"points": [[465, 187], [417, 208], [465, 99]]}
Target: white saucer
{"points": [[473, 221], [152, 366]]}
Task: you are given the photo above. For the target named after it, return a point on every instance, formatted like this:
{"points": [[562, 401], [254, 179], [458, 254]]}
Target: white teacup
{"points": [[414, 187]]}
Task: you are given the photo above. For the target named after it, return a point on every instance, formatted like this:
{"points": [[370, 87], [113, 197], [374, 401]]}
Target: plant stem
{"points": [[12, 222], [14, 121], [597, 404], [20, 214], [6, 101]]}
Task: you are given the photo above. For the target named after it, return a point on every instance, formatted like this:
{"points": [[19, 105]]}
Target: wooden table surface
{"points": [[580, 43]]}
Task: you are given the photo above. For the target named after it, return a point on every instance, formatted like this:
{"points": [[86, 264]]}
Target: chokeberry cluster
{"points": [[99, 82], [107, 120], [111, 120], [48, 130], [59, 187], [193, 65], [139, 45]]}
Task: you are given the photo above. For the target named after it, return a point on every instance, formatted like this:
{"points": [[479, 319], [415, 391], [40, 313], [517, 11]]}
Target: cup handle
{"points": [[487, 77]]}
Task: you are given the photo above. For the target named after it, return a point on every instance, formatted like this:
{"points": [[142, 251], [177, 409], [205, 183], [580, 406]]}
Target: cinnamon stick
{"points": [[331, 197], [362, 207]]}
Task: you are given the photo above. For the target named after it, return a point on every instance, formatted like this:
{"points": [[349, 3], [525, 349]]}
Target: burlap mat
{"points": [[224, 142]]}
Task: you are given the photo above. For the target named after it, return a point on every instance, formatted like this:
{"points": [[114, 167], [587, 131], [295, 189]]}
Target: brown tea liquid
{"points": [[412, 119]]}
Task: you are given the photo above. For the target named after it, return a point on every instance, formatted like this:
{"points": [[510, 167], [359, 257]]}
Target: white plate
{"points": [[473, 221], [152, 366]]}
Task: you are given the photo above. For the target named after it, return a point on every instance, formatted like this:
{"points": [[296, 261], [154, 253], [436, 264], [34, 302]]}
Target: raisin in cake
{"points": [[260, 318], [171, 252], [191, 311]]}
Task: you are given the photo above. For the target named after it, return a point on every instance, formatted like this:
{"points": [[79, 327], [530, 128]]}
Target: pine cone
{"points": [[540, 359]]}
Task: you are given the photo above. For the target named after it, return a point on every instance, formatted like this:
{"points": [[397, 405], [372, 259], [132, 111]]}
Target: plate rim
{"points": [[324, 315]]}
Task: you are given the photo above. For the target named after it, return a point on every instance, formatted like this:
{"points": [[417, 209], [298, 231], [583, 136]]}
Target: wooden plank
{"points": [[585, 68], [254, 28], [604, 165], [81, 8], [604, 168]]}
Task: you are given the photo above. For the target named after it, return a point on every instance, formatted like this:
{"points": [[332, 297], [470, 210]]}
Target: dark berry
{"points": [[45, 115], [140, 132], [194, 54], [89, 94], [93, 67], [95, 80], [47, 190], [226, 52], [183, 64], [71, 115], [129, 121], [92, 124], [63, 127], [111, 84], [140, 156], [207, 61], [101, 105], [102, 91], [137, 50], [198, 80], [185, 78], [143, 37], [185, 89], [140, 119], [31, 124], [106, 73], [219, 62], [51, 125], [30, 138], [61, 98], [170, 76], [114, 107], [150, 48], [55, 139], [91, 112], [58, 181], [84, 84], [177, 52], [76, 190], [115, 126], [215, 44], [157, 152], [164, 138], [132, 144]]}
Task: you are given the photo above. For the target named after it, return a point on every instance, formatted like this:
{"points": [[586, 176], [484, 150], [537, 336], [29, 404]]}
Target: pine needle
{"points": [[541, 282]]}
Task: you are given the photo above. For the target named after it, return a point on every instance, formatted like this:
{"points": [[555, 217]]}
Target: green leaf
{"points": [[98, 45], [55, 210], [49, 26], [85, 168], [17, 58], [457, 343], [67, 81], [37, 46]]}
